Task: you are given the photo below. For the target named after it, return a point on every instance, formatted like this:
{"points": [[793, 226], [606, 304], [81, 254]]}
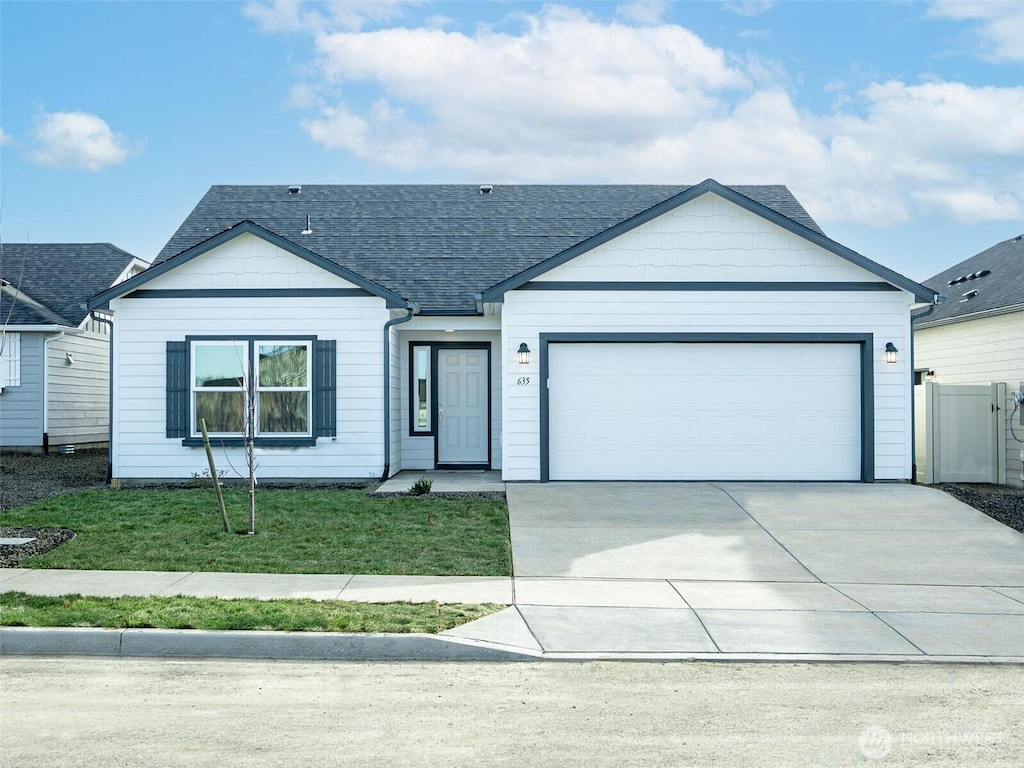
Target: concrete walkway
{"points": [[668, 571], [446, 481]]}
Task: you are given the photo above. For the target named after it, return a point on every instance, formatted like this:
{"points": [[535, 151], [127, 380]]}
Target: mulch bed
{"points": [[12, 556]]}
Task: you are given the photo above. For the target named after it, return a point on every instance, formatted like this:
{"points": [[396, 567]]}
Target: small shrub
{"points": [[204, 480], [421, 487]]}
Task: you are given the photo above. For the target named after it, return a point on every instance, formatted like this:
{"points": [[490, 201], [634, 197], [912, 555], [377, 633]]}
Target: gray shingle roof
{"points": [[60, 276], [439, 245], [1002, 287]]}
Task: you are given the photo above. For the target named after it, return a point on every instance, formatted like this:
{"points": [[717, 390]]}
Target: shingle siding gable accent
{"points": [[236, 230], [495, 292]]}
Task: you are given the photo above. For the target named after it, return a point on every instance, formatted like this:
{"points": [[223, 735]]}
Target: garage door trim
{"points": [[865, 341]]}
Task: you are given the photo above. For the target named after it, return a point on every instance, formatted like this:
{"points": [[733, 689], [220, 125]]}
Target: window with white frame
{"points": [[220, 372], [283, 376], [10, 360], [276, 374], [420, 393]]}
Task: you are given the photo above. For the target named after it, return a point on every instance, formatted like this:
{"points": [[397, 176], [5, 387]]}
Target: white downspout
{"points": [[46, 388]]}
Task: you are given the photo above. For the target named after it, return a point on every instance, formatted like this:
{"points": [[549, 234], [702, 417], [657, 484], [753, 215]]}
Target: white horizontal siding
{"points": [[79, 393], [982, 351], [527, 314], [144, 326], [973, 352], [247, 261], [709, 239]]}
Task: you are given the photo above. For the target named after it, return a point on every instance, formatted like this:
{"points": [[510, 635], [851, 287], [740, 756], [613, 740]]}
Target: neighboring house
{"points": [[55, 358], [551, 332], [977, 335]]}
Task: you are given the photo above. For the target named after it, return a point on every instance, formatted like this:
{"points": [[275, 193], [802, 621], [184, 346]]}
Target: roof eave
{"points": [[41, 328], [994, 312]]}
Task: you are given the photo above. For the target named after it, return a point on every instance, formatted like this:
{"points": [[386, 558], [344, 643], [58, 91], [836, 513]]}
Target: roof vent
{"points": [[1018, 238], [295, 189], [972, 276], [486, 189], [968, 296], [309, 226]]}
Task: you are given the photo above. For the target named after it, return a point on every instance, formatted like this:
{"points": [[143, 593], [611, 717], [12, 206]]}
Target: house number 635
{"points": [[522, 381]]}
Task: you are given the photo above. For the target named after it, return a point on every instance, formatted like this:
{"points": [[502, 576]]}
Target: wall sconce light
{"points": [[68, 358], [524, 354], [890, 352]]}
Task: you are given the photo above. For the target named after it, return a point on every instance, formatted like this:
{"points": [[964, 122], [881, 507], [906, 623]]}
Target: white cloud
{"points": [[568, 97], [292, 16], [1000, 25], [749, 7], [77, 140], [566, 76], [644, 11], [5, 138], [969, 205]]}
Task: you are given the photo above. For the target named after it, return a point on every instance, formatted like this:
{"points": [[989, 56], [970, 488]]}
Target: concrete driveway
{"points": [[885, 570]]}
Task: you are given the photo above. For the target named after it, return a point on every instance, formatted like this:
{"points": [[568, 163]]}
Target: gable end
{"points": [[131, 285], [496, 292]]}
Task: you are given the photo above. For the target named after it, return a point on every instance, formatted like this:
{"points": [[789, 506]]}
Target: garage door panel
{"points": [[706, 462], [704, 411]]}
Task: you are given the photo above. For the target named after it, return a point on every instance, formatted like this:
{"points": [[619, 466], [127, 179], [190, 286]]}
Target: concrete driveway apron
{"points": [[805, 570]]}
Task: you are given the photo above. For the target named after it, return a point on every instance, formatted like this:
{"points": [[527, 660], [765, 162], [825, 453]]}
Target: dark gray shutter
{"points": [[325, 388], [177, 389]]}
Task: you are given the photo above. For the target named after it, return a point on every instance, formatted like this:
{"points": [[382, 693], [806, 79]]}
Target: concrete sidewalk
{"points": [[264, 586], [567, 618]]}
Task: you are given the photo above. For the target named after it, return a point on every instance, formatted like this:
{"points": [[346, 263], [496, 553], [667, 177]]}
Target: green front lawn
{"points": [[297, 531], [20, 610]]}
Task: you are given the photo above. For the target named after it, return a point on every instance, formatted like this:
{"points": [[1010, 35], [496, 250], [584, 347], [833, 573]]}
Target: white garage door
{"points": [[704, 411]]}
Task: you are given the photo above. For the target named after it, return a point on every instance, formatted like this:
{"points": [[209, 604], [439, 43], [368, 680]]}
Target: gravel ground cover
{"points": [[25, 478]]}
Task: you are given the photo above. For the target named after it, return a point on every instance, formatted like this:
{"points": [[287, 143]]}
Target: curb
{"points": [[242, 644], [337, 646]]}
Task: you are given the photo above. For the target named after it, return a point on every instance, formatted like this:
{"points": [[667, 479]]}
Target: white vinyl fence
{"points": [[959, 433]]}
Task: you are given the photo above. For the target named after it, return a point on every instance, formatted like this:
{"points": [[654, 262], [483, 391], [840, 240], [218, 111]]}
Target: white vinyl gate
{"points": [[957, 432]]}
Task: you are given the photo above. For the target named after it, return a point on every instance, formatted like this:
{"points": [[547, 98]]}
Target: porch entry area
{"points": [[450, 401]]}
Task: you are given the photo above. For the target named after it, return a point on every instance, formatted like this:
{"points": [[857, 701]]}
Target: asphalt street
{"points": [[126, 712]]}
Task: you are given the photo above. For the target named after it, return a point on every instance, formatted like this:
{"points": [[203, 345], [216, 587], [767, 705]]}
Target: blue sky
{"points": [[899, 125]]}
